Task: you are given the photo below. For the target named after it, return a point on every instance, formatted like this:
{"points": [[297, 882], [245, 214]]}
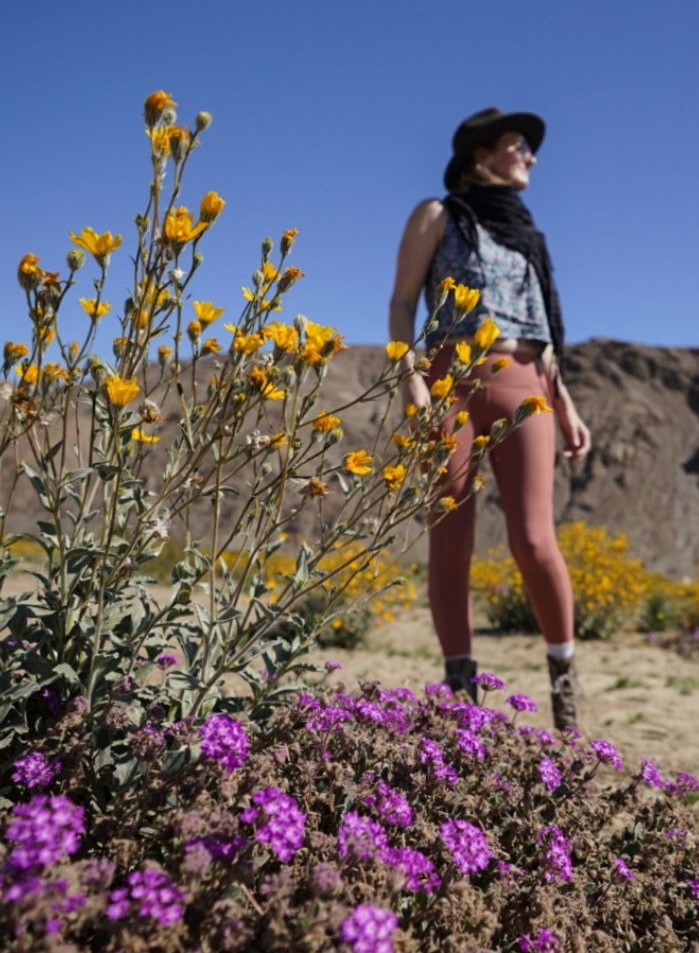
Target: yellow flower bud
{"points": [[462, 418], [194, 331], [211, 207], [442, 386], [486, 334], [396, 350], [288, 239], [154, 106], [465, 299], [529, 406], [462, 352]]}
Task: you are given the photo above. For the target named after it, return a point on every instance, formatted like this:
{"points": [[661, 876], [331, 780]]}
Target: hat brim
{"points": [[529, 125]]}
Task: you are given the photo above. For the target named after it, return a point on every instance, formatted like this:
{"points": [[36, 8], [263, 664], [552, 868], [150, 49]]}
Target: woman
{"points": [[483, 236]]}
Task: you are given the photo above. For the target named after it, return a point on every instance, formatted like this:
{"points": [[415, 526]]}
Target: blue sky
{"points": [[336, 118]]}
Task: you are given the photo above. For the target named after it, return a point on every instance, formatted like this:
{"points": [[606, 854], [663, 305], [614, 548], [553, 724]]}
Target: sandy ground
{"points": [[643, 698]]}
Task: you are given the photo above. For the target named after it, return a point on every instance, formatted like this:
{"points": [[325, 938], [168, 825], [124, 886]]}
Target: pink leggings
{"points": [[523, 469]]}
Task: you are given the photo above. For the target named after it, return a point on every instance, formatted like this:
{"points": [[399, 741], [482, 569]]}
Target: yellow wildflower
{"points": [[480, 443], [164, 353], [73, 350], [28, 372], [278, 439], [259, 378], [531, 405], [499, 365], [211, 207], [160, 141], [394, 476], [269, 272], [410, 410], [28, 272], [120, 346], [55, 372], [178, 140], [284, 336], [462, 350], [324, 422], [358, 462], [46, 335], [478, 482], [445, 286], [247, 343], [179, 228], [396, 350], [207, 312], [93, 309], [288, 278], [465, 298], [194, 331], [51, 279], [211, 346], [101, 246], [120, 391], [14, 352], [486, 334], [155, 104], [442, 386], [401, 441], [462, 418], [140, 436], [448, 503], [288, 239], [450, 441]]}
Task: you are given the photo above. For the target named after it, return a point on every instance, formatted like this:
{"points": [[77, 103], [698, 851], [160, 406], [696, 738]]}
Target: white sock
{"points": [[560, 651], [458, 658]]}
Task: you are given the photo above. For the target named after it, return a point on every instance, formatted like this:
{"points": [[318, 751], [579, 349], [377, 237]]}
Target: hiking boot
{"points": [[458, 674], [565, 692]]}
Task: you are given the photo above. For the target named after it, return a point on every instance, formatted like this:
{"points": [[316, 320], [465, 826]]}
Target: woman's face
{"points": [[510, 159]]}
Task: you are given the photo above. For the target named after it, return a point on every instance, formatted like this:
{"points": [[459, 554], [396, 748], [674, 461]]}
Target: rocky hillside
{"points": [[642, 476]]}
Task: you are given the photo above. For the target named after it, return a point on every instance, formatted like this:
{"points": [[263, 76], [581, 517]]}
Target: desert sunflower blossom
{"points": [[100, 246], [359, 462], [179, 227], [119, 390], [395, 350], [211, 207], [93, 309], [155, 104], [530, 406], [139, 435], [207, 312], [394, 476]]}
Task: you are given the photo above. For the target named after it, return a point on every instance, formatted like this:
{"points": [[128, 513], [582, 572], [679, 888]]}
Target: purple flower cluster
{"points": [[470, 743], [623, 870], [559, 864], [545, 941], [280, 823], [683, 785], [35, 770], [45, 830], [360, 837], [419, 871], [368, 929], [432, 754], [152, 893], [488, 682], [549, 774], [392, 805], [166, 660], [606, 752], [694, 887], [224, 739], [467, 844], [521, 703]]}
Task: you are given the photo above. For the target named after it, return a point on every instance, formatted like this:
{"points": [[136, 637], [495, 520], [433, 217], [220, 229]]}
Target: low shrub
{"points": [[373, 822]]}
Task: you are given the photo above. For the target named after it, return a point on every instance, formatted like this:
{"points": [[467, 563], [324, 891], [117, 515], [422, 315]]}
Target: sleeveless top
{"points": [[510, 290]]}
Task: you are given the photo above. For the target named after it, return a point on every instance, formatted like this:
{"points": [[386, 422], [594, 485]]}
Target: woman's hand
{"points": [[575, 434]]}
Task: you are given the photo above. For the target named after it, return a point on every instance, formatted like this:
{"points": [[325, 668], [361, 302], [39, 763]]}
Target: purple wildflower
{"points": [[606, 752], [283, 823], [431, 753], [325, 719], [467, 844], [545, 941], [650, 773], [225, 740], [694, 887], [45, 830], [470, 743], [369, 929], [438, 689], [35, 770], [549, 774], [360, 837], [521, 703], [147, 742], [420, 874], [621, 868], [559, 865], [474, 717], [488, 682], [392, 805], [153, 893], [332, 666], [677, 833], [166, 660], [687, 782], [324, 879]]}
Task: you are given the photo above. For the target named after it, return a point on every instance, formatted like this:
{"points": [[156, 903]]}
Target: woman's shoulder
{"points": [[429, 217]]}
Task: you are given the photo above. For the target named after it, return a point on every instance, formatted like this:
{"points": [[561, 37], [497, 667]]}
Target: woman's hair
{"points": [[475, 173]]}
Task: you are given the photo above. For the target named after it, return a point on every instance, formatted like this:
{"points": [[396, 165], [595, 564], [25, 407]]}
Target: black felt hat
{"points": [[483, 127]]}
